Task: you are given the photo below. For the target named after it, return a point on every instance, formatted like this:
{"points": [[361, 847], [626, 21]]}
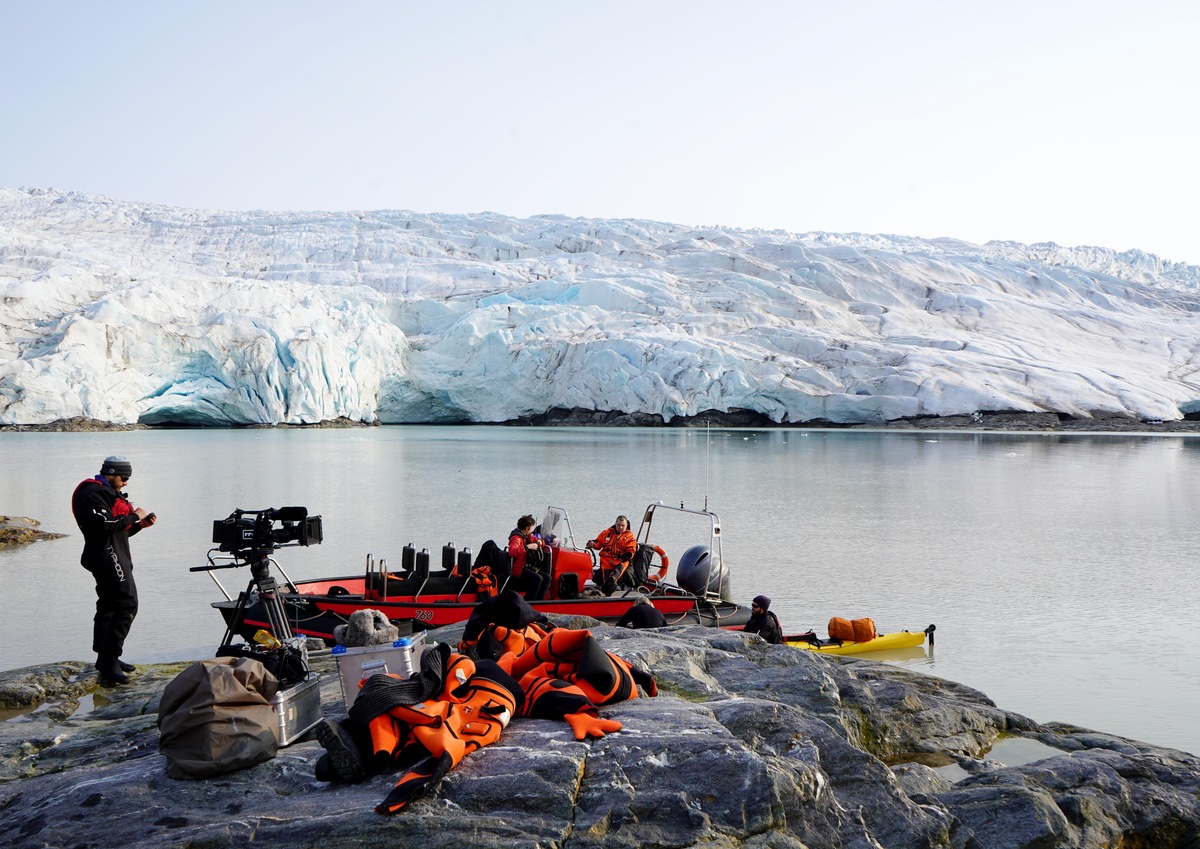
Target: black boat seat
{"points": [[407, 584]]}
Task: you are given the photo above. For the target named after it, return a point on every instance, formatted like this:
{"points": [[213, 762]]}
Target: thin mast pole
{"points": [[707, 449]]}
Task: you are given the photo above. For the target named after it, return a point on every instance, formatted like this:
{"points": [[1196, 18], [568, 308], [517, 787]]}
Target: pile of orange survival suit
{"points": [[455, 704]]}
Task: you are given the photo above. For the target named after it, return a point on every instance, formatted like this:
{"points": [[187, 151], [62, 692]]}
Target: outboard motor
{"points": [[692, 574]]}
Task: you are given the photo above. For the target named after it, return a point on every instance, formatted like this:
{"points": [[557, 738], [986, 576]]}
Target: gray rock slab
{"points": [[746, 745]]}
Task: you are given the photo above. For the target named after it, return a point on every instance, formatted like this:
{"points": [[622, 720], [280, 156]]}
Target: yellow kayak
{"points": [[897, 640]]}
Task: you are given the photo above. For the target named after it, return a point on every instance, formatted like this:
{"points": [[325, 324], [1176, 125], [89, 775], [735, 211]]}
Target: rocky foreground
{"points": [[746, 745]]}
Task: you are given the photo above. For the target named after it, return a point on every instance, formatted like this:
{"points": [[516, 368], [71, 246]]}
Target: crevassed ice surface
{"points": [[133, 312]]}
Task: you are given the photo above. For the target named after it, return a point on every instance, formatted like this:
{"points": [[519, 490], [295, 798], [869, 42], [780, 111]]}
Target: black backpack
{"points": [[639, 567], [286, 663], [495, 557]]}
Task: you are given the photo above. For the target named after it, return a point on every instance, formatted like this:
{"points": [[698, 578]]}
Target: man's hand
{"points": [[148, 519]]}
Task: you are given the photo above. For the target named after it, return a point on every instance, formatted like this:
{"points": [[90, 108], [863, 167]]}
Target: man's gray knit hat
{"points": [[115, 464]]}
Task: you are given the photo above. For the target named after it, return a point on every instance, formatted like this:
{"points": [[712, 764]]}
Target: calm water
{"points": [[1058, 569]]}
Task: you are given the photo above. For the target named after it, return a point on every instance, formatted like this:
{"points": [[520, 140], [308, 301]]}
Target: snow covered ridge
{"points": [[129, 312]]}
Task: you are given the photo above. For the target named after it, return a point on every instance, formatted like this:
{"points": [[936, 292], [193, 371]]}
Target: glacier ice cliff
{"points": [[127, 312]]}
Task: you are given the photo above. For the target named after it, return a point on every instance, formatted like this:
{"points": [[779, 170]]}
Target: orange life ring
{"points": [[662, 570]]}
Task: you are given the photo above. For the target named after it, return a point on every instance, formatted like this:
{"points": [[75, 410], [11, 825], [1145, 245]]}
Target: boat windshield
{"points": [[556, 528]]}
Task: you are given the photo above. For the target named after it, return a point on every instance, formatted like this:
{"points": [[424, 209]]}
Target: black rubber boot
{"points": [[342, 761], [110, 674], [126, 667]]}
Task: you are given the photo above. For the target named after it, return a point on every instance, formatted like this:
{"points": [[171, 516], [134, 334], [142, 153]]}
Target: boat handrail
{"points": [[422, 573], [233, 563], [221, 587], [377, 572], [287, 578], [381, 581], [715, 557]]}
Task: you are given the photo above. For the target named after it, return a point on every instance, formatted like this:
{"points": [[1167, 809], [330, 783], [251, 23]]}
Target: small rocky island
{"points": [[20, 530], [746, 745]]}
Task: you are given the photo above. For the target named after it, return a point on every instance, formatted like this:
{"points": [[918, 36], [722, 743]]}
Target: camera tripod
{"points": [[261, 580]]}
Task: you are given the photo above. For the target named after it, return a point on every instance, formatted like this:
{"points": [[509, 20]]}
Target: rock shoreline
{"points": [[746, 745], [983, 421], [21, 530]]}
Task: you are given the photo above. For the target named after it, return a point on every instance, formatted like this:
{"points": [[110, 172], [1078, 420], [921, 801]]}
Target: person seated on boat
{"points": [[530, 559], [763, 622], [616, 546], [642, 614]]}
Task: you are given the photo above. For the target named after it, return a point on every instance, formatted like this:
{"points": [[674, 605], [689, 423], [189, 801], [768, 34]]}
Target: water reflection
{"points": [[1037, 555]]}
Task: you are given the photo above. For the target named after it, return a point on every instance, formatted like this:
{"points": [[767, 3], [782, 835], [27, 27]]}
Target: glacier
{"points": [[128, 312]]}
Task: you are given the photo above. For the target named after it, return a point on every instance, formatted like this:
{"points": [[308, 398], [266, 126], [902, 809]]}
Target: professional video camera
{"points": [[253, 534]]}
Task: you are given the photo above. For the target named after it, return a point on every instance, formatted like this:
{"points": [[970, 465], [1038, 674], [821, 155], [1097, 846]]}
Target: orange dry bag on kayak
{"points": [[840, 629], [852, 630], [864, 629]]}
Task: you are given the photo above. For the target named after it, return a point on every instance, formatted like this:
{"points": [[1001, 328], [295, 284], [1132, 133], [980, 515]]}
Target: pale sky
{"points": [[1072, 122]]}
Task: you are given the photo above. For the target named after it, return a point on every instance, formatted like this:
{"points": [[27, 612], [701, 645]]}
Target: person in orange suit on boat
{"points": [[616, 545]]}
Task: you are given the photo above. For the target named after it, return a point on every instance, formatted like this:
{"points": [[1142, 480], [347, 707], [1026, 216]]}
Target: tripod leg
{"points": [[272, 605], [277, 616], [239, 616]]}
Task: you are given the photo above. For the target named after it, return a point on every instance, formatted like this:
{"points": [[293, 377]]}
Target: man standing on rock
{"points": [[107, 520]]}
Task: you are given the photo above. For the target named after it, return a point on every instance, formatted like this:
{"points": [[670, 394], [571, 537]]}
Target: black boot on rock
{"points": [[342, 760], [109, 669]]}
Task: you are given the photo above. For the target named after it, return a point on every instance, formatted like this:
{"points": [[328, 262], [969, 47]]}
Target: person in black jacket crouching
{"points": [[642, 614], [763, 622]]}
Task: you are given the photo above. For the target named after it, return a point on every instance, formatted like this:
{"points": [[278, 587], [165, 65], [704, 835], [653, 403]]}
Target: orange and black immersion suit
{"points": [[434, 735], [616, 552], [429, 722], [424, 724]]}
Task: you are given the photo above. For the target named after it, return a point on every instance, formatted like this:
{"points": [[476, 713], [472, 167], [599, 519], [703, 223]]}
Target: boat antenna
{"points": [[707, 449]]}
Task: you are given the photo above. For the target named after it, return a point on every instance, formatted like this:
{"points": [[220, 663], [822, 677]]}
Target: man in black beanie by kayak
{"points": [[763, 622], [107, 520]]}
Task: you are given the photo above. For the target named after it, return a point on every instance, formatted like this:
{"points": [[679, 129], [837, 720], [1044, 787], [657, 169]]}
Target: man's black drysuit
{"points": [[107, 521]]}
